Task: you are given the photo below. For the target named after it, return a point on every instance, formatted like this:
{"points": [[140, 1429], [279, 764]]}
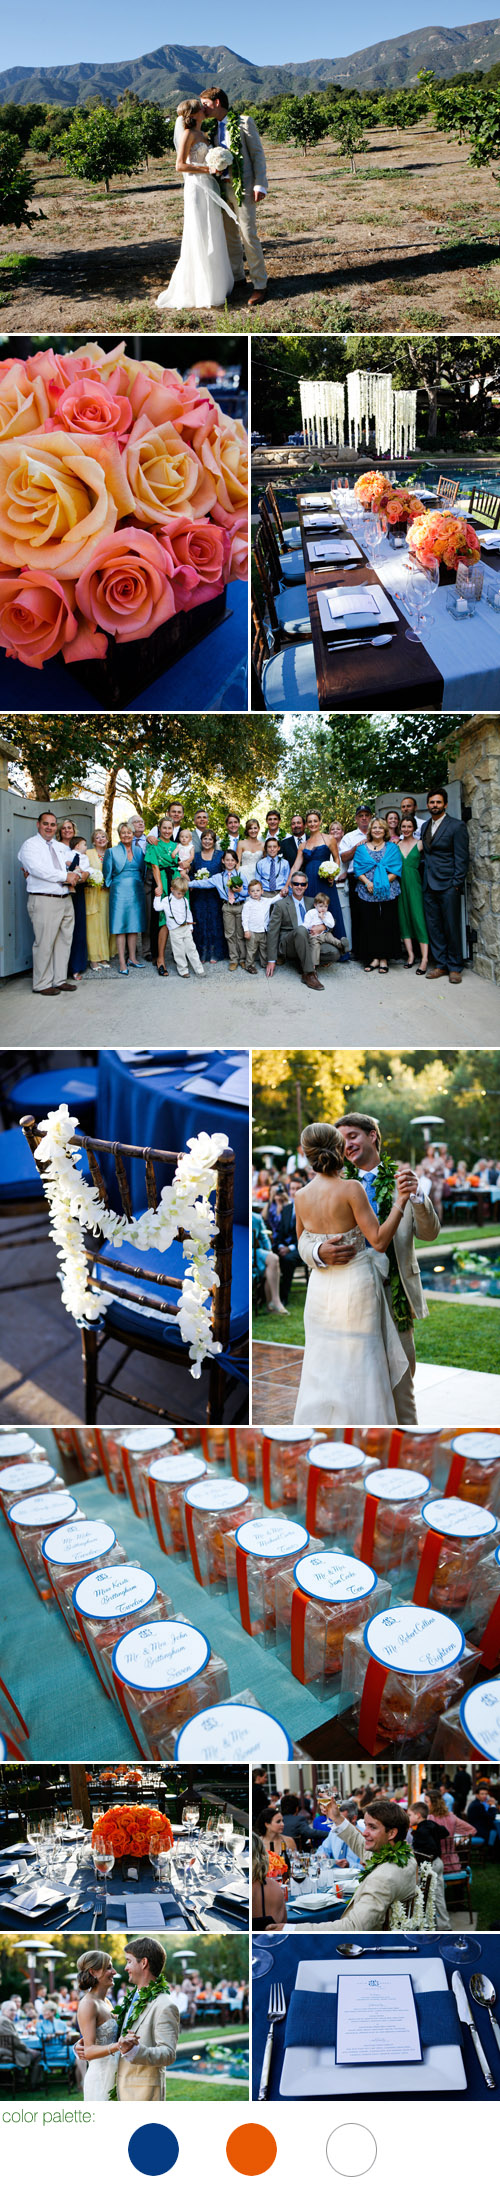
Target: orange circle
{"points": [[251, 2150]]}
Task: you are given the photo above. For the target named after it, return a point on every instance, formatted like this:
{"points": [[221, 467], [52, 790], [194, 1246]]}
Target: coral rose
{"points": [[91, 407], [237, 568], [167, 399], [24, 404], [126, 587], [36, 617], [200, 553], [165, 475], [58, 499], [223, 449]]}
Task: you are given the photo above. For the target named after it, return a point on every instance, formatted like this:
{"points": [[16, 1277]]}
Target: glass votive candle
{"points": [[400, 1672], [164, 1673], [255, 1554], [282, 1450], [451, 1538], [326, 1594], [233, 1733], [391, 1519], [211, 1509], [480, 1615], [471, 1729], [31, 1520], [469, 1467], [15, 1732], [493, 596], [215, 1446], [164, 1484], [138, 1448], [24, 1479], [245, 1452], [71, 1551], [330, 1490], [110, 1600]]}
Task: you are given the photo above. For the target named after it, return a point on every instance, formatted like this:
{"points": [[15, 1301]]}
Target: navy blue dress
{"points": [[310, 861], [208, 930], [78, 956]]}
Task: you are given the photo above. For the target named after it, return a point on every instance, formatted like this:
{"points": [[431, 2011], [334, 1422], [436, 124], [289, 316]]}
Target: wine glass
{"points": [[190, 1816], [298, 1872], [314, 1870], [459, 1946], [160, 1859], [416, 593], [431, 568], [103, 1858]]}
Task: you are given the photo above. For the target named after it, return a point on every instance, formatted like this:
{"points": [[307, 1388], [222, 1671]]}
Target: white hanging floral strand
{"points": [[76, 1207]]}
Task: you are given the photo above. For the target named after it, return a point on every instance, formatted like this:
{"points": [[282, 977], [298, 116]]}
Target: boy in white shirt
{"points": [[178, 917], [255, 920], [319, 922]]}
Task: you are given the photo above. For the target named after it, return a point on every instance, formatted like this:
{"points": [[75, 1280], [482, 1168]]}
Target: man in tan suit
{"points": [[242, 235], [149, 2033], [362, 1137]]}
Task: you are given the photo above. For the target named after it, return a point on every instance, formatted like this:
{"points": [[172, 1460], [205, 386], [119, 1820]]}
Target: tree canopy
{"points": [[211, 751], [442, 368], [296, 1087]]}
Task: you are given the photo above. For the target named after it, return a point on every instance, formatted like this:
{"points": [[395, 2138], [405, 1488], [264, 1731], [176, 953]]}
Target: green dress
{"points": [[165, 854], [412, 923]]}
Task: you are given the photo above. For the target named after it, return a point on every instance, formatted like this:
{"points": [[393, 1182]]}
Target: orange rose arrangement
{"points": [[123, 501], [368, 485], [130, 1827], [398, 503], [440, 535]]}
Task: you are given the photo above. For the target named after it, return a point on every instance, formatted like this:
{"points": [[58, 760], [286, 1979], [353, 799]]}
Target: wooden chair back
{"points": [[271, 545], [265, 578], [484, 505], [447, 490], [276, 514]]}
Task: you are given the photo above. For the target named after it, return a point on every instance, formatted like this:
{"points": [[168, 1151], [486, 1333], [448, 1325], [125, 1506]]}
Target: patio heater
{"points": [[32, 1950], [428, 1125]]}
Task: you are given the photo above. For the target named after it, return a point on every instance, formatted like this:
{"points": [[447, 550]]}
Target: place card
{"points": [[144, 1911], [377, 2019], [480, 1718]]}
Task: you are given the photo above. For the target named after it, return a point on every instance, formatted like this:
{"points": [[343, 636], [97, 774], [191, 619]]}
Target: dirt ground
{"points": [[410, 242]]}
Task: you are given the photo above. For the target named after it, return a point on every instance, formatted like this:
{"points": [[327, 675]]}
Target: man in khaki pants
{"points": [[152, 2022], [50, 886], [244, 237]]}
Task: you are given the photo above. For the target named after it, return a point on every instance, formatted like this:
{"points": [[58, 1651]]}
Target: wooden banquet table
{"points": [[403, 674]]}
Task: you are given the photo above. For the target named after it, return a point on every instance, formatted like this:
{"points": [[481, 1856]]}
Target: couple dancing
{"points": [[357, 1220], [224, 179], [126, 2054]]}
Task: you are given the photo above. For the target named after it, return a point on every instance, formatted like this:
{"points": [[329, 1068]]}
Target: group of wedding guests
{"points": [[253, 896], [384, 1834]]}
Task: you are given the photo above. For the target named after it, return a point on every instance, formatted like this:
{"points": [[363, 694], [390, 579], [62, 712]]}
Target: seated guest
{"points": [[377, 867], [272, 869], [50, 893], [25, 2054], [294, 839], [449, 1826], [179, 920], [483, 1812], [411, 912], [250, 847], [287, 937], [295, 1818], [320, 923], [79, 868], [232, 898], [265, 1265], [255, 920], [99, 946], [268, 1895], [337, 1845], [285, 1240], [271, 1830], [207, 913], [389, 1868], [123, 871]]}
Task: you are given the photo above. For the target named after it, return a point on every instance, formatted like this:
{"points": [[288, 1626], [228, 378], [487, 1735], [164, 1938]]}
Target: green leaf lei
{"points": [[146, 1994], [386, 1186], [233, 125], [391, 1852]]}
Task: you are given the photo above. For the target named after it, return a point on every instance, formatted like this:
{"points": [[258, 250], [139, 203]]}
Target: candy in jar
{"points": [[452, 1538], [69, 1552], [111, 1459], [164, 1484], [255, 1554], [211, 1508], [326, 1594], [282, 1450], [414, 1447], [15, 1732], [330, 1490], [31, 1520], [471, 1729], [400, 1671], [480, 1617], [25, 1478], [17, 1445], [107, 1602], [215, 1446], [233, 1734], [470, 1467], [245, 1448], [391, 1520], [164, 1673], [138, 1448]]}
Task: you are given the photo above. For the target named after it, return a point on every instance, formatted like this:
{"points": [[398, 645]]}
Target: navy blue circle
{"points": [[153, 2149]]}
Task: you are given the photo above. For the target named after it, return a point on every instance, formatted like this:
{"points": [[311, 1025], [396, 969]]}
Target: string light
{"points": [[365, 397]]}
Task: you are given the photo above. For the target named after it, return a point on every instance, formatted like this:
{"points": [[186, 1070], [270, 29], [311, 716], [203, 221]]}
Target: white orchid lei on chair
{"points": [[76, 1207], [421, 1912]]}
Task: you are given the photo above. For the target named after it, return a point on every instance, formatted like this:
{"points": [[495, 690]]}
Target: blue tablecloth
{"points": [[176, 1917], [292, 1951], [160, 1113], [213, 674]]}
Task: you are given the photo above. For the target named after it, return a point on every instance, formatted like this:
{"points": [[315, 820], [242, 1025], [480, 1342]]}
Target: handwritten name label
{"points": [[114, 1592], [229, 1733], [409, 1640], [333, 1577], [396, 1485], [453, 1516], [162, 1655], [272, 1538], [480, 1718], [79, 1539], [217, 1496], [336, 1458]]}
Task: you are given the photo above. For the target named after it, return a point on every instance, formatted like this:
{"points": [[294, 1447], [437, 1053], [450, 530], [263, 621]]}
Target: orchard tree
{"points": [[17, 186], [20, 121], [348, 132], [300, 122], [153, 129], [47, 137], [101, 144]]}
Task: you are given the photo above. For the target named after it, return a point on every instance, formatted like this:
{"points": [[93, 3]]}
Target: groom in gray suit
{"points": [[244, 237]]}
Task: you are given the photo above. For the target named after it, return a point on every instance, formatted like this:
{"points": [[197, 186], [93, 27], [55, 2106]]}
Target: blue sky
{"points": [[286, 32]]}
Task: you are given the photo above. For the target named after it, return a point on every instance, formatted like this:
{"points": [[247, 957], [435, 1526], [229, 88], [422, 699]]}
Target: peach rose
{"points": [[24, 404], [237, 539], [170, 399], [36, 617], [91, 407], [223, 449], [126, 586], [58, 498], [200, 552], [165, 475]]}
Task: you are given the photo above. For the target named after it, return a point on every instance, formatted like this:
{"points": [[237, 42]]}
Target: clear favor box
{"points": [[451, 1539], [212, 1508], [215, 1446], [233, 1733], [282, 1451], [400, 1672], [26, 1478], [138, 1448], [69, 1552], [111, 1460], [31, 1521], [78, 1447], [470, 1731], [110, 1601], [469, 1467], [164, 1673], [255, 1554], [326, 1594], [402, 1447], [391, 1520], [330, 1490], [245, 1448], [164, 1484], [480, 1617]]}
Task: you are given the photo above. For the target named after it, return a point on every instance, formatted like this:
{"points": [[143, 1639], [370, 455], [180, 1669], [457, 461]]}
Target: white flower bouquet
{"points": [[330, 869], [219, 160]]}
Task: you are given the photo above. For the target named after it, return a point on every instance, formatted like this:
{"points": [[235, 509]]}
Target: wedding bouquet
{"points": [[440, 535], [236, 879], [123, 502], [328, 869], [219, 160], [202, 874]]}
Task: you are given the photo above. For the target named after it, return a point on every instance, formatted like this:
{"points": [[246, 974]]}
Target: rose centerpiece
{"points": [[123, 514], [441, 535], [367, 485], [130, 1828]]}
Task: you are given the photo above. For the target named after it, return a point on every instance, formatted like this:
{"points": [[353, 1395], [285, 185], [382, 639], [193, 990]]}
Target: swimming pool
{"points": [[214, 2060], [461, 1273]]}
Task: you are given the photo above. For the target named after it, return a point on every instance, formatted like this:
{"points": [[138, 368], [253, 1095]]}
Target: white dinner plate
{"points": [[313, 2070], [321, 503], [375, 612], [325, 551]]}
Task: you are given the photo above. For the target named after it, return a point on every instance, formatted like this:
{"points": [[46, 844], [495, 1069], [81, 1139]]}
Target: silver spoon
{"points": [[377, 1948], [483, 1991], [375, 641]]}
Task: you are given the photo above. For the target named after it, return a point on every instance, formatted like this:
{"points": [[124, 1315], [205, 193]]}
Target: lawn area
{"points": [[485, 1894], [460, 1236], [194, 2089], [453, 1336]]}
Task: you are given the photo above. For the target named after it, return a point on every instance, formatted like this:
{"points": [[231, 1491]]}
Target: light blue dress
{"points": [[127, 900]]}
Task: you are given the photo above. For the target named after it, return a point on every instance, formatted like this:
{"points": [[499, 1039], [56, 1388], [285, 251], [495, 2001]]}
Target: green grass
{"points": [[460, 1336], [276, 1329], [460, 1235], [485, 1894]]}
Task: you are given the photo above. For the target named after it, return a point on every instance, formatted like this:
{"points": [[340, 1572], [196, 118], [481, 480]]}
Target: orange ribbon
{"points": [[373, 1689], [242, 1581], [88, 1647], [299, 1609], [191, 1540], [129, 1482], [104, 1461], [394, 1452], [427, 1567], [368, 1528], [119, 1685], [490, 1643], [10, 1699], [455, 1475], [233, 1455], [157, 1517], [266, 1473]]}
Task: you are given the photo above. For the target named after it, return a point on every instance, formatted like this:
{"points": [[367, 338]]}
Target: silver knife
{"points": [[466, 2017]]}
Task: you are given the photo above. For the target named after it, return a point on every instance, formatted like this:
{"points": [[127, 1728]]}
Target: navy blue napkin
{"points": [[312, 2020]]}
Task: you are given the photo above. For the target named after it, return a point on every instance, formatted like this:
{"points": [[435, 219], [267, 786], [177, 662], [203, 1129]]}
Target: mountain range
{"points": [[173, 71]]}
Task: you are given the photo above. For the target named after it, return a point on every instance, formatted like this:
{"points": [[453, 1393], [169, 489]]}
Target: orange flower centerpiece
{"points": [[130, 1828], [368, 485], [440, 535], [123, 514]]}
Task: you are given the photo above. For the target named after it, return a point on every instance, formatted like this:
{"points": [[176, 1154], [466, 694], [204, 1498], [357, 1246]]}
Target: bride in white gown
{"points": [[353, 1356], [203, 275], [98, 2025]]}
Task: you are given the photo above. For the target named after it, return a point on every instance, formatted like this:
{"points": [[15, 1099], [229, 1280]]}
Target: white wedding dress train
{"points": [[353, 1356], [203, 275], [100, 2075]]}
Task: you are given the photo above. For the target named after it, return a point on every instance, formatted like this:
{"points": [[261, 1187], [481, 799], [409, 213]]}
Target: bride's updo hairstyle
{"points": [[189, 110], [324, 1148], [90, 1967]]}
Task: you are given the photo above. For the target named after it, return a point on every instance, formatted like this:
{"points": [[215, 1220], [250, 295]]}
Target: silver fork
{"points": [[276, 2013]]}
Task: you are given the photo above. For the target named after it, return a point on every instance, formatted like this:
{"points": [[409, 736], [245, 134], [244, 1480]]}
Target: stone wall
{"points": [[477, 767]]}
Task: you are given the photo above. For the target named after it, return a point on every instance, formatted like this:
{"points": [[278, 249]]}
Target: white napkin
{"points": [[325, 552], [359, 607], [489, 537]]}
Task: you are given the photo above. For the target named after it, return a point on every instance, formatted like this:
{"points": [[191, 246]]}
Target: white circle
{"points": [[27, 1478], [411, 1640], [335, 1458], [16, 1447], [455, 1517], [333, 1577], [351, 2150], [162, 1655], [480, 1718], [143, 1439], [34, 1512], [480, 1444], [79, 1539], [232, 1733], [293, 1435], [114, 1591], [217, 1496], [182, 1468], [396, 1485], [272, 1538]]}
